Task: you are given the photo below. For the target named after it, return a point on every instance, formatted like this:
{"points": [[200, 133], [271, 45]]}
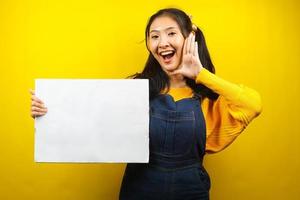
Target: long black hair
{"points": [[158, 79]]}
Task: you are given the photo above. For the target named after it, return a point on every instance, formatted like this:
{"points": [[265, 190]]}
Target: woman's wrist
{"points": [[198, 75]]}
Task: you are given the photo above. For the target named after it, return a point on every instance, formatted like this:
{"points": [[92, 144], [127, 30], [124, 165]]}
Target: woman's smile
{"points": [[167, 56], [165, 42]]}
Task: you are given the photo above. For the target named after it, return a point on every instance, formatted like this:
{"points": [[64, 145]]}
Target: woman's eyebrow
{"points": [[168, 28]]}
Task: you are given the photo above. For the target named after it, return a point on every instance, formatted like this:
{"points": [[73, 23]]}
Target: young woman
{"points": [[192, 112]]}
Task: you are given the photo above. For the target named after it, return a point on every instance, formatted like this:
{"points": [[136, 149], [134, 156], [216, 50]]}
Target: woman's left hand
{"points": [[190, 65]]}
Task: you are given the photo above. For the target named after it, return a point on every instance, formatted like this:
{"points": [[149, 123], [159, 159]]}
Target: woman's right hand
{"points": [[37, 106]]}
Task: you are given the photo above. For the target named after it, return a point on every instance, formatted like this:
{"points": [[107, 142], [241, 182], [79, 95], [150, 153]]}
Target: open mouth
{"points": [[167, 55]]}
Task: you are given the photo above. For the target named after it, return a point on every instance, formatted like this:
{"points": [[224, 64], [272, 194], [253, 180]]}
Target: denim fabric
{"points": [[177, 146]]}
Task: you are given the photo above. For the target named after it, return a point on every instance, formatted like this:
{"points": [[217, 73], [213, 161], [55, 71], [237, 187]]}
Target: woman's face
{"points": [[165, 42]]}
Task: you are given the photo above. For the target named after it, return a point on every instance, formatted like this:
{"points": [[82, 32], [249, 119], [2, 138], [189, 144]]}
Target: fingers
{"points": [[32, 91], [37, 106], [185, 47], [37, 114], [34, 98], [196, 50], [192, 48], [188, 44], [38, 109]]}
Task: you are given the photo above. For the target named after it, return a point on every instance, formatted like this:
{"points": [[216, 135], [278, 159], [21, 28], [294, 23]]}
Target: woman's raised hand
{"points": [[37, 106], [190, 65]]}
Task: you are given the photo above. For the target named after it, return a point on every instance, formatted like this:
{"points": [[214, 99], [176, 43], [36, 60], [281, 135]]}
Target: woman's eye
{"points": [[154, 36], [172, 33]]}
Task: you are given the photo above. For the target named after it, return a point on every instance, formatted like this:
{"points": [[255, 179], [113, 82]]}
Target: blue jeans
{"points": [[177, 146], [144, 182]]}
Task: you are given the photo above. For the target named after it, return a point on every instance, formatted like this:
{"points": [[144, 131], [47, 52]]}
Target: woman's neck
{"points": [[177, 81]]}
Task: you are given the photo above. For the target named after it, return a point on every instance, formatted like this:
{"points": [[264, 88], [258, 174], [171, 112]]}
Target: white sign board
{"points": [[91, 120]]}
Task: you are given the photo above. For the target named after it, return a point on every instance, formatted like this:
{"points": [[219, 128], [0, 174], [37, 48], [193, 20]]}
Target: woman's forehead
{"points": [[163, 23]]}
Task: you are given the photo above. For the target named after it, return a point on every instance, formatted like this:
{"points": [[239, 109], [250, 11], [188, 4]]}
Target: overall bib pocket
{"points": [[171, 133]]}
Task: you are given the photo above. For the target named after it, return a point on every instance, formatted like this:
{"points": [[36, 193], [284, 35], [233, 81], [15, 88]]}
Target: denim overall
{"points": [[177, 146]]}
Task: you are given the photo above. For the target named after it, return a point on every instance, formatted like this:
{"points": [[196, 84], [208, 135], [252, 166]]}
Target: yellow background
{"points": [[251, 42]]}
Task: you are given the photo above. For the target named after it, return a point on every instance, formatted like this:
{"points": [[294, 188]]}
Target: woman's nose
{"points": [[163, 42]]}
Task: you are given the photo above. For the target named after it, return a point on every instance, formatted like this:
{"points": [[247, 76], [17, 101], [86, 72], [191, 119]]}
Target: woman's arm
{"points": [[227, 116], [243, 102]]}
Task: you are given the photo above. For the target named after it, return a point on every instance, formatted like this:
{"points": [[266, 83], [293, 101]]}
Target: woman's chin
{"points": [[170, 69]]}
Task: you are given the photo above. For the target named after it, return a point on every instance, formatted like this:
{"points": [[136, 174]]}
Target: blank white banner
{"points": [[91, 120]]}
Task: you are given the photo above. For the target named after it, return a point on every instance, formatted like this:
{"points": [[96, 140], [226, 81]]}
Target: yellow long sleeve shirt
{"points": [[227, 116]]}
